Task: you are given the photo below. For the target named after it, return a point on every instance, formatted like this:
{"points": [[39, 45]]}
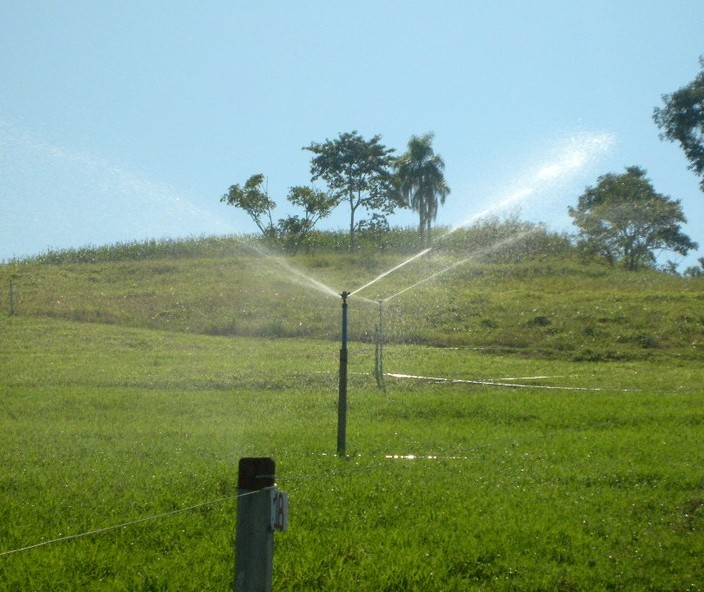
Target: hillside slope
{"points": [[546, 307]]}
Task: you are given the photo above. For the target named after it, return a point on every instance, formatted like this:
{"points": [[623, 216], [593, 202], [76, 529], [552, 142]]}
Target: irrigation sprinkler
{"points": [[342, 397]]}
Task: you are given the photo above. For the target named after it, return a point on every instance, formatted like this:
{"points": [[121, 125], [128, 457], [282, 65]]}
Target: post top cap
{"points": [[256, 473]]}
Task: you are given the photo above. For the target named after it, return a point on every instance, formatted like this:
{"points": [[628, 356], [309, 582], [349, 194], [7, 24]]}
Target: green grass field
{"points": [[131, 389]]}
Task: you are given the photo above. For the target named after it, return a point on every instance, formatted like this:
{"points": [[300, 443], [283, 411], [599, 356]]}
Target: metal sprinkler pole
{"points": [[342, 398], [379, 366]]}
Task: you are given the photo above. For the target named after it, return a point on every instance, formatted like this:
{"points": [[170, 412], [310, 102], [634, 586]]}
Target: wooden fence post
{"points": [[254, 540]]}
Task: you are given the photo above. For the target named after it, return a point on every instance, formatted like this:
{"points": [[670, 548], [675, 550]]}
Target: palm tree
{"points": [[420, 181]]}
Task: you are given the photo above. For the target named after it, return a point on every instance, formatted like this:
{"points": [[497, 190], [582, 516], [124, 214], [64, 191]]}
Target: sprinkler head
{"points": [[344, 295]]}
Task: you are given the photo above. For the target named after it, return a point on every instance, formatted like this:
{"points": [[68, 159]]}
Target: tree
{"points": [[624, 220], [254, 201], [682, 120], [357, 171], [316, 204], [292, 230], [420, 181]]}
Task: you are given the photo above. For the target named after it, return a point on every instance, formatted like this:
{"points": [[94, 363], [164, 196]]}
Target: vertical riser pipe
{"points": [[342, 395]]}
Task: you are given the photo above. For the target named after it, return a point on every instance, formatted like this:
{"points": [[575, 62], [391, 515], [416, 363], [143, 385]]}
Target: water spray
{"points": [[342, 396], [399, 266], [456, 264]]}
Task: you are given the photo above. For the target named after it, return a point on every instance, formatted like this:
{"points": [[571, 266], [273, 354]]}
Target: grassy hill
{"points": [[543, 304], [562, 452]]}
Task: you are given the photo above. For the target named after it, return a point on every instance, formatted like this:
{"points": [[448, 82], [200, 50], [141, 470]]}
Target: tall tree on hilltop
{"points": [[357, 171], [682, 120], [421, 182], [623, 220]]}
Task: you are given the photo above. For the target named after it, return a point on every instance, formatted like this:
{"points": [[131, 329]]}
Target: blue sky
{"points": [[124, 120]]}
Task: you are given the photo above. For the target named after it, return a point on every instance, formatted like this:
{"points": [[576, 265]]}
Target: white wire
{"points": [[123, 524], [182, 510]]}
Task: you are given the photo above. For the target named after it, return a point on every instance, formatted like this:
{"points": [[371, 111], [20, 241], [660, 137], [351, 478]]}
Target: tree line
{"points": [[362, 174], [621, 220]]}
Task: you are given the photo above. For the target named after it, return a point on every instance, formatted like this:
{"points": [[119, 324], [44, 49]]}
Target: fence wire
{"points": [[124, 524], [98, 531]]}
